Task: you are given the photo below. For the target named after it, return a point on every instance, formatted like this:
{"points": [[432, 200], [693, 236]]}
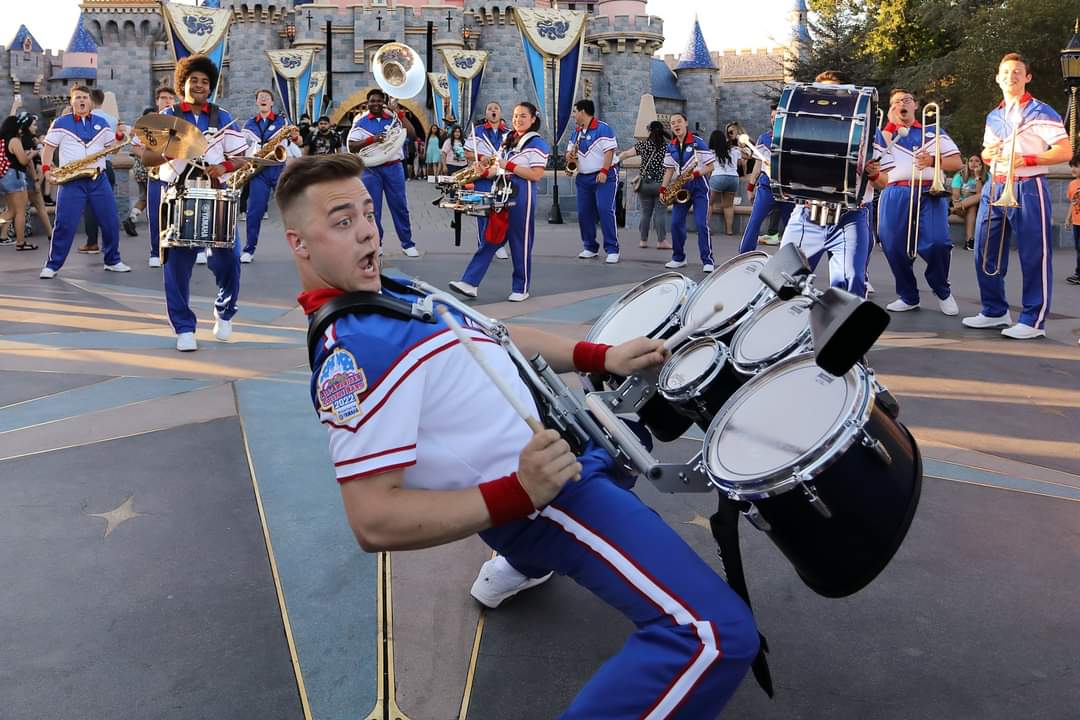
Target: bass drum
{"points": [[831, 477], [775, 331], [735, 285]]}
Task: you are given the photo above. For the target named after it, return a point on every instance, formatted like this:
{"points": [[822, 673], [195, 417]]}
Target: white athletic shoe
{"points": [[948, 306], [1022, 331], [154, 262], [118, 267], [707, 267], [518, 297], [674, 264], [411, 251], [769, 239], [185, 342], [47, 273], [499, 581], [464, 288], [586, 255], [612, 258], [200, 258], [246, 257], [222, 328], [982, 321], [899, 305], [869, 289], [502, 254]]}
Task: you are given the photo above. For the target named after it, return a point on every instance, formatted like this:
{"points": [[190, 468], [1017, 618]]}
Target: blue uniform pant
{"points": [[260, 188], [153, 217], [481, 220], [764, 203], [699, 200], [934, 245], [694, 637], [72, 199], [847, 243], [1031, 224], [179, 262], [1076, 244], [91, 222], [596, 202], [519, 236], [390, 179]]}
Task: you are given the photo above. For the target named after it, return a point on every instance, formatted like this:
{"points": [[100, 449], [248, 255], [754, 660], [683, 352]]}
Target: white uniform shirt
{"points": [[77, 138], [1040, 127]]}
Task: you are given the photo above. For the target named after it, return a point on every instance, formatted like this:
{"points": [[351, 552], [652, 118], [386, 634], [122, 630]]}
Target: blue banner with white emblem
{"points": [[195, 30], [556, 36], [292, 77]]}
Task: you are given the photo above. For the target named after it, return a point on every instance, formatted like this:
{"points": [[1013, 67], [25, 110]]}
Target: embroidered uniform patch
{"points": [[341, 383]]}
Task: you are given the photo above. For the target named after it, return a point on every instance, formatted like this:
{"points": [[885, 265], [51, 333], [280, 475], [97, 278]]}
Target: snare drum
{"points": [[775, 331], [830, 476], [197, 216], [734, 284], [652, 310], [697, 379]]}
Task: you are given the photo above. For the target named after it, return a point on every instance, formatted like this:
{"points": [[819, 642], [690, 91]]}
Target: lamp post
{"points": [[1070, 71], [555, 214]]}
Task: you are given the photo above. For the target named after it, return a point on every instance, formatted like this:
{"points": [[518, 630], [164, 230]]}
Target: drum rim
{"points": [[747, 367], [686, 392], [616, 305], [735, 320], [810, 464]]}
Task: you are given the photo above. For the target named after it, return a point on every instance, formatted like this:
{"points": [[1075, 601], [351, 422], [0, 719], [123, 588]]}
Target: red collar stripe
{"points": [[312, 300]]}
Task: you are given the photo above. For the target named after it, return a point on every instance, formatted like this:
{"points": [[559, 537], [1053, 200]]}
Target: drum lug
{"points": [[874, 444], [753, 516], [815, 501]]}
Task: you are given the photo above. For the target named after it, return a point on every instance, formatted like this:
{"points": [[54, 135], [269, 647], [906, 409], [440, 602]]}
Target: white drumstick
{"points": [[682, 335], [469, 345]]}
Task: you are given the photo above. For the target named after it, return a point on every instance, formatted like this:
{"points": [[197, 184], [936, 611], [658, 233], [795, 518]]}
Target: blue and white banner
{"points": [[316, 96], [467, 69], [195, 30], [292, 77], [557, 36], [440, 96]]}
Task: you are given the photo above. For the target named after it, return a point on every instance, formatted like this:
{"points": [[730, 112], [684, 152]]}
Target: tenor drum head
{"points": [[790, 418], [691, 366], [650, 309], [735, 285], [772, 332]]}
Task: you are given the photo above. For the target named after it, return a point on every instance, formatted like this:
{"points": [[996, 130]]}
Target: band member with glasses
{"points": [[688, 154], [592, 145], [481, 146]]}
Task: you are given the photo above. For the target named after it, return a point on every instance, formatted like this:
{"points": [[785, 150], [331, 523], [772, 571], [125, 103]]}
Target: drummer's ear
{"points": [[296, 243]]}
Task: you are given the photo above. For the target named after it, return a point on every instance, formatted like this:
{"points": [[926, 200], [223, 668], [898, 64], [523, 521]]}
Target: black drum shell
{"points": [[704, 407]]}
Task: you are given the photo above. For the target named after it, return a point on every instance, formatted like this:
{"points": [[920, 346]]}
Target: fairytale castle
{"points": [[120, 45]]}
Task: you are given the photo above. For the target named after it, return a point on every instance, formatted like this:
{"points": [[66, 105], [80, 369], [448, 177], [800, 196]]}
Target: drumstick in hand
{"points": [[682, 335], [469, 345]]}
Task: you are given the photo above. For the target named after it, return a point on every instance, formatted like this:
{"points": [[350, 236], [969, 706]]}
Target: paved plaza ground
{"points": [[174, 544]]}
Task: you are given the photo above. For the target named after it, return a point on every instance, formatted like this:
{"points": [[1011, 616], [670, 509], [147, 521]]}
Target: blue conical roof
{"points": [[799, 6], [20, 38], [81, 41], [696, 55]]}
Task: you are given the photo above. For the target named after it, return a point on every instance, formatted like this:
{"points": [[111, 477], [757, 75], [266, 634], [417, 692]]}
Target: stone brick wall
{"points": [[701, 105], [248, 68], [747, 103]]}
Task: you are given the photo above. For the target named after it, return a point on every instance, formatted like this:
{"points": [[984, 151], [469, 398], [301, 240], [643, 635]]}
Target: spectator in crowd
{"points": [[28, 130], [97, 97], [324, 140], [733, 130], [142, 178], [651, 150], [13, 182], [433, 151], [306, 131], [966, 188], [1074, 215], [453, 151], [419, 161], [724, 181]]}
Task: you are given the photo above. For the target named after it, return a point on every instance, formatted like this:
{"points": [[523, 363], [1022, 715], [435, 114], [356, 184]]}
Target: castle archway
{"points": [[357, 103]]}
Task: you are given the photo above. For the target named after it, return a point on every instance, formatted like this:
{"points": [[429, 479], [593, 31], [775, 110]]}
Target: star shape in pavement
{"points": [[118, 516]]}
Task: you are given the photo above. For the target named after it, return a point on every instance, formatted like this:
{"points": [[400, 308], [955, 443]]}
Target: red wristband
{"points": [[697, 174], [228, 165], [1031, 160], [662, 189], [589, 357], [370, 140], [604, 170], [506, 500], [510, 167], [890, 128], [119, 136], [873, 177], [46, 168], [749, 187]]}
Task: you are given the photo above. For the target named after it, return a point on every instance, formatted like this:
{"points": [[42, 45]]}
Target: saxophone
{"points": [[272, 149], [472, 173], [677, 193], [81, 168]]}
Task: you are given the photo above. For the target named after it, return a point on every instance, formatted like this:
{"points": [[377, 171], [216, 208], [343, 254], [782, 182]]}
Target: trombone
{"points": [[937, 183], [1006, 201]]}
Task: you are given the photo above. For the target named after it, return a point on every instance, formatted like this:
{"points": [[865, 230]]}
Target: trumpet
{"points": [[937, 182], [1006, 201]]}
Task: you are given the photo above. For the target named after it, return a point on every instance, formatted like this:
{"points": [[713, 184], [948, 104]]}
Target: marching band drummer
{"points": [[523, 155], [387, 178], [195, 77], [483, 144], [76, 136], [257, 131], [765, 204], [687, 153]]}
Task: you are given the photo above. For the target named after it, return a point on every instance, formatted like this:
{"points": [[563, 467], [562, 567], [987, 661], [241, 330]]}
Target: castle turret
{"points": [[799, 45], [697, 81], [28, 63], [80, 62], [124, 32]]}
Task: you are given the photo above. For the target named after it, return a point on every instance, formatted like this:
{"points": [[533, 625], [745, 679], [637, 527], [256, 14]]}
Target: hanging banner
{"points": [[316, 95], [197, 31], [557, 36], [292, 76], [467, 69], [440, 96]]}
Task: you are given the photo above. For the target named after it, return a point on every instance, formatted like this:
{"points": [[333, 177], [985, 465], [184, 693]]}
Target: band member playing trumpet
{"points": [[765, 205], [523, 155], [195, 77], [76, 136], [592, 147], [1023, 135], [414, 471], [912, 217], [388, 177], [481, 147], [688, 162], [257, 130]]}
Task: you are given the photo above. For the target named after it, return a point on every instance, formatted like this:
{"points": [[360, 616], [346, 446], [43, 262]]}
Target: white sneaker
{"points": [[707, 267], [502, 254], [47, 273], [118, 267], [498, 581], [185, 342], [154, 262], [869, 289], [411, 251], [1022, 331], [463, 288], [769, 240], [612, 258], [899, 305], [200, 259], [518, 297], [246, 257], [586, 255], [673, 264], [948, 306], [222, 328], [982, 321]]}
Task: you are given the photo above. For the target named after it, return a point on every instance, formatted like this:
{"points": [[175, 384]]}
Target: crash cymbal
{"points": [[171, 136]]}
